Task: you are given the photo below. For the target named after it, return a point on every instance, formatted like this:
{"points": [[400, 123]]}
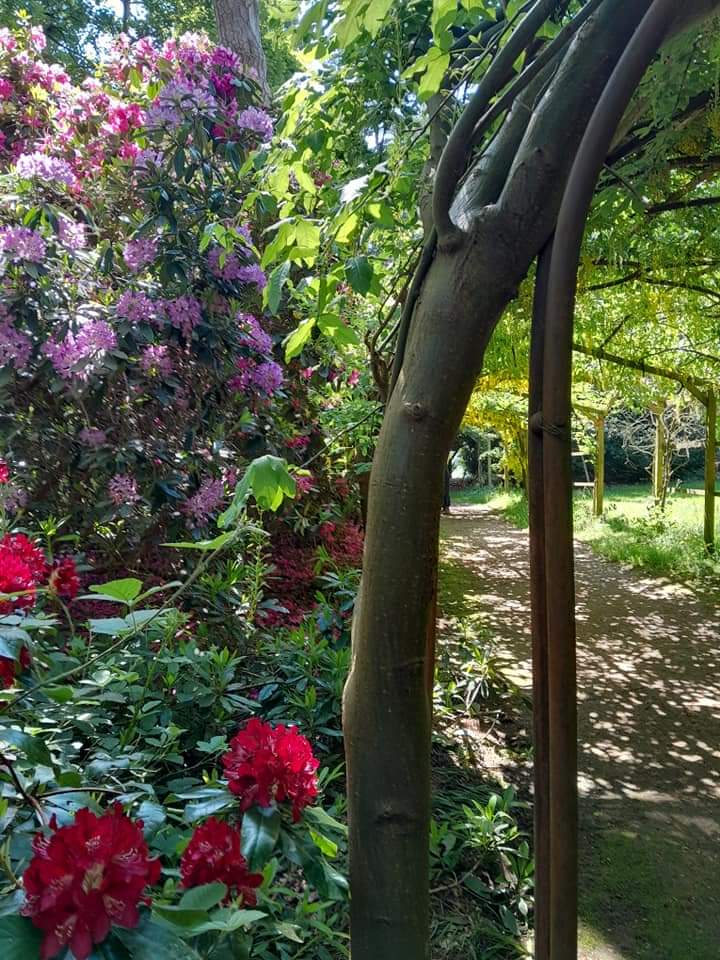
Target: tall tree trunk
{"points": [[238, 23], [659, 467]]}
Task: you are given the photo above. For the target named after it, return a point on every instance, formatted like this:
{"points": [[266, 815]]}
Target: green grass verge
{"points": [[631, 531]]}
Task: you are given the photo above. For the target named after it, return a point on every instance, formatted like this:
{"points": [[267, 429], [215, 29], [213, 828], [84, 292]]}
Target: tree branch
{"points": [[455, 155]]}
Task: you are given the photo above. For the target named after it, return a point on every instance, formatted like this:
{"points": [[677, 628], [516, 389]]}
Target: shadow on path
{"points": [[649, 735]]}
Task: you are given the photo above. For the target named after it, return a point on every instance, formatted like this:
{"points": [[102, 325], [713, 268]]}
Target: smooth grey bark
{"points": [[506, 214], [238, 23]]}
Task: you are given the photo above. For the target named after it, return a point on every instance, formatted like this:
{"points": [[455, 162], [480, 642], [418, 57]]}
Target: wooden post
{"points": [[599, 486], [489, 461], [710, 470], [659, 454]]}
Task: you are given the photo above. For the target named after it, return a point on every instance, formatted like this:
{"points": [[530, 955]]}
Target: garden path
{"points": [[649, 735]]}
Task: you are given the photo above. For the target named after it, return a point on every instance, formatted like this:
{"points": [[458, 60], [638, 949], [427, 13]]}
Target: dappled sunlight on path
{"points": [[649, 692]]}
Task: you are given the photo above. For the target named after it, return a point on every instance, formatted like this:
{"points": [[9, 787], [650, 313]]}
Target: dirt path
{"points": [[649, 689]]}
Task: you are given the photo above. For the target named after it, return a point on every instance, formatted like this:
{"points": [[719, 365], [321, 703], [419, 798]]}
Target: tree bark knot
{"points": [[417, 411]]}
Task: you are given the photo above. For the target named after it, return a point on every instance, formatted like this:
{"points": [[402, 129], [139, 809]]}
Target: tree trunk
{"points": [[710, 470], [599, 486], [505, 212], [238, 23]]}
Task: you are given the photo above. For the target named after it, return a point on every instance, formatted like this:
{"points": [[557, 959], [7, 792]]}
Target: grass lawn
{"points": [[631, 531]]}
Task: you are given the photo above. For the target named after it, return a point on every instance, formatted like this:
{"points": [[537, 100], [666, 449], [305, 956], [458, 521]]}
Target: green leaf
{"points": [[206, 808], [33, 748], [12, 640], [323, 819], [260, 831], [229, 920], [205, 897], [338, 331], [291, 931], [274, 288], [60, 694], [151, 941], [109, 626], [202, 545], [152, 815], [19, 939], [375, 15], [268, 480], [359, 274], [179, 916], [437, 63], [296, 341], [123, 590], [325, 845]]}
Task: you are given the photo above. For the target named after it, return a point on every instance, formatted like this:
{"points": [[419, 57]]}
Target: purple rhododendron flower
{"points": [[155, 361], [22, 243], [252, 334], [92, 436], [139, 253], [253, 274], [137, 307], [91, 341], [260, 122], [40, 165], [72, 234], [184, 313], [15, 346], [123, 489], [205, 502], [179, 100]]}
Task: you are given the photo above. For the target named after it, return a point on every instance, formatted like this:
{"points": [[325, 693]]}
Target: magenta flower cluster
{"points": [[155, 361], [72, 355], [15, 346]]}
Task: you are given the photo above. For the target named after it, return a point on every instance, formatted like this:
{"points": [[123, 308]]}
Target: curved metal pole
{"points": [[538, 586], [559, 565]]}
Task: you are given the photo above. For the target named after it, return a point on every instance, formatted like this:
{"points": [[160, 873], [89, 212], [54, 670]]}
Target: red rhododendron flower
{"points": [[4, 472], [213, 856], [266, 764], [28, 552], [15, 576], [64, 580], [86, 877], [9, 667]]}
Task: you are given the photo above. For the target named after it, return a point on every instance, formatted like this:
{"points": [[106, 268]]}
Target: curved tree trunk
{"points": [[238, 23], [506, 211]]}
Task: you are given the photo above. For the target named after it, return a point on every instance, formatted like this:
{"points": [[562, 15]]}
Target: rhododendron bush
{"points": [[137, 374], [146, 807]]}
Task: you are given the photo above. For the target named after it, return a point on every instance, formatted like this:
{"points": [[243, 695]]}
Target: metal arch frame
{"points": [[550, 495]]}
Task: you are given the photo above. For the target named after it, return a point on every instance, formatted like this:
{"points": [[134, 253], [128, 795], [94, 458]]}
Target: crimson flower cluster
{"points": [[23, 568], [268, 764], [86, 877], [213, 856]]}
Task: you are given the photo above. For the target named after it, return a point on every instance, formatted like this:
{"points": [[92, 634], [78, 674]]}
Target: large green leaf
{"points": [[274, 288], [359, 273], [205, 897], [298, 338], [260, 831], [123, 591], [19, 939], [33, 748], [152, 941], [268, 480]]}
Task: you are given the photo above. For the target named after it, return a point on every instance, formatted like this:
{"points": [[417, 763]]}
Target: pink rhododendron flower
{"points": [[43, 167], [258, 121], [15, 346], [92, 436], [155, 361], [137, 307], [89, 344], [184, 313], [72, 234]]}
